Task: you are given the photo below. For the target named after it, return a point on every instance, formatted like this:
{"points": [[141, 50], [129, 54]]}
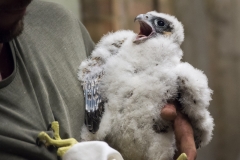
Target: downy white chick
{"points": [[130, 77]]}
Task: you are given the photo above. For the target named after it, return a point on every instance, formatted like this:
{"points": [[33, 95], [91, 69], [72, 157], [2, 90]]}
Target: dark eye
{"points": [[159, 23]]}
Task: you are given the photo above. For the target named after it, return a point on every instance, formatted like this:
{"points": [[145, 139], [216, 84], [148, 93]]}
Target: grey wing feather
{"points": [[91, 72], [93, 102]]}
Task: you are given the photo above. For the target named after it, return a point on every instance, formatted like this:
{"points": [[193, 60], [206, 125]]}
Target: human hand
{"points": [[182, 129]]}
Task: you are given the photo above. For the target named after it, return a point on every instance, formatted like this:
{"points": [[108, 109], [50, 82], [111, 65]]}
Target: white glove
{"points": [[92, 150]]}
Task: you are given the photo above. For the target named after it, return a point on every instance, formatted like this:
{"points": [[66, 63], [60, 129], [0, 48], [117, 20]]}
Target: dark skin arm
{"points": [[182, 129]]}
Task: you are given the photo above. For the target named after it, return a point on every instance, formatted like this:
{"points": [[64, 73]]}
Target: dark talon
{"points": [[49, 127], [38, 142]]}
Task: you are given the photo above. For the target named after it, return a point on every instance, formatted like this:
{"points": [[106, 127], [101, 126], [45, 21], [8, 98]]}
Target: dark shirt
{"points": [[43, 86]]}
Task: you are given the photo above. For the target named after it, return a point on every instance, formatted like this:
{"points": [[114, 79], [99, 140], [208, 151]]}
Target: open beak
{"points": [[146, 30]]}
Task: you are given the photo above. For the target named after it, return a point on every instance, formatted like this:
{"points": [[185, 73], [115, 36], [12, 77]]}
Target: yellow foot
{"points": [[55, 128], [44, 138], [183, 156], [63, 145]]}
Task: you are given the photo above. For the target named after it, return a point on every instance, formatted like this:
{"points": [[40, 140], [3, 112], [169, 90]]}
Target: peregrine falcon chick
{"points": [[130, 77]]}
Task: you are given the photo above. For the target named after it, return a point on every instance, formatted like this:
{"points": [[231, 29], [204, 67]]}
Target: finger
{"points": [[184, 136], [168, 112]]}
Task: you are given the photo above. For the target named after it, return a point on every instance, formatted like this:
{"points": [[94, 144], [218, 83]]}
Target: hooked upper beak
{"points": [[138, 18]]}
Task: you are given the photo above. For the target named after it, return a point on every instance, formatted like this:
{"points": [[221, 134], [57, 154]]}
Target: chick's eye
{"points": [[160, 23]]}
